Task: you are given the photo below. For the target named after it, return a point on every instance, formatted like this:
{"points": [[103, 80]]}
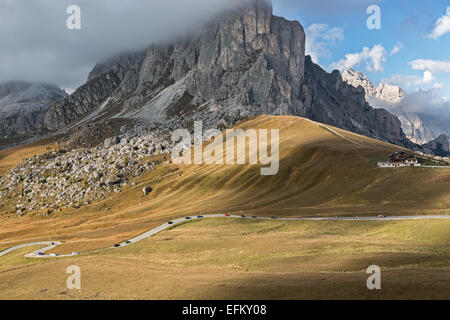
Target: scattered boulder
{"points": [[114, 182], [109, 142], [147, 190], [80, 176]]}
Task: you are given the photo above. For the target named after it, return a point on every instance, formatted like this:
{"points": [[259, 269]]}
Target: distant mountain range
{"points": [[245, 62], [22, 106], [419, 127]]}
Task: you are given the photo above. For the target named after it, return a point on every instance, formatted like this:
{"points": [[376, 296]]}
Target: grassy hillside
{"points": [[321, 173], [246, 259]]}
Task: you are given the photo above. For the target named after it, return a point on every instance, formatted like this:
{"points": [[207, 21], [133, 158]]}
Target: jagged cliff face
{"points": [[22, 106], [329, 99], [420, 128], [106, 81], [244, 63], [440, 146]]}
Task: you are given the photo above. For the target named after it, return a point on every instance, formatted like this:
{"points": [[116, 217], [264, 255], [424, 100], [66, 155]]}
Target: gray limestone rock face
{"points": [[22, 106], [419, 127], [245, 62], [331, 100], [439, 146]]}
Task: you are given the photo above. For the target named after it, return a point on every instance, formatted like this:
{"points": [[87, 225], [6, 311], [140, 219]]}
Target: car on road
{"points": [[273, 218], [75, 253], [254, 217], [40, 253], [127, 242], [116, 245], [170, 222], [199, 217], [188, 218], [227, 215], [242, 216], [381, 216]]}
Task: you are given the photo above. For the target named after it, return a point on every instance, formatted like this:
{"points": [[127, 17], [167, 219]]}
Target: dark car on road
{"points": [[188, 218], [199, 217], [273, 218], [116, 245], [242, 216], [170, 222], [254, 217]]}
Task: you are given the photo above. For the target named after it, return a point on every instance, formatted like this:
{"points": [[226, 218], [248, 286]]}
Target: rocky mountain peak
{"points": [[16, 94], [420, 128], [356, 79], [384, 92], [389, 93], [243, 63], [22, 106], [440, 146]]}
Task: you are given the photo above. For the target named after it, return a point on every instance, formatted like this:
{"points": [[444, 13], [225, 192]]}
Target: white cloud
{"points": [[36, 46], [318, 37], [428, 102], [442, 26], [427, 77], [439, 85], [404, 80], [373, 57], [431, 65], [409, 81], [399, 46]]}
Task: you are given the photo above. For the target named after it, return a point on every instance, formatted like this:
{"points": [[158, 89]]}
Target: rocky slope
{"points": [[73, 178], [420, 128]]}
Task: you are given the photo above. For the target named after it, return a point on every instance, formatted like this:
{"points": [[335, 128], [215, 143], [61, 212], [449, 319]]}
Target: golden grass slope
{"points": [[246, 259], [320, 174]]}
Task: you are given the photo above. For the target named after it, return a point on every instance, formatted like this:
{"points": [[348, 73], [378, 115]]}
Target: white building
{"points": [[412, 162], [386, 164]]}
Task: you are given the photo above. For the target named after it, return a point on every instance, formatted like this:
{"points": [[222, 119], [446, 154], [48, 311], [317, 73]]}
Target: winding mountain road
{"points": [[49, 245]]}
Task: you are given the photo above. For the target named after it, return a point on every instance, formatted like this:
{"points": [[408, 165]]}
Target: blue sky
{"points": [[419, 29]]}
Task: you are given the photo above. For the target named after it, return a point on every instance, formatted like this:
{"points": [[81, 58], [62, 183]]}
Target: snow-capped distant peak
{"points": [[418, 127], [384, 92], [356, 79]]}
